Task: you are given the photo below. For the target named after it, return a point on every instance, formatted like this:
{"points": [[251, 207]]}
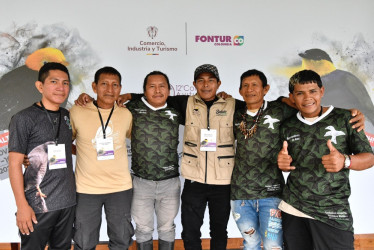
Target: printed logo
{"points": [[171, 115], [152, 47], [333, 133], [169, 168], [152, 31], [333, 215], [67, 120], [221, 112], [238, 40], [141, 111], [269, 120], [221, 40], [293, 138]]}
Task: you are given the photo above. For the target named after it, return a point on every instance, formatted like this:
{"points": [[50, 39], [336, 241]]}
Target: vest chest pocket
{"points": [[191, 133], [225, 165], [226, 133]]}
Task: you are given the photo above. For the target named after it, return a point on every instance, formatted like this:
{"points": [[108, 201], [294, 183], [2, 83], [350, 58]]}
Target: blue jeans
{"points": [[259, 220]]}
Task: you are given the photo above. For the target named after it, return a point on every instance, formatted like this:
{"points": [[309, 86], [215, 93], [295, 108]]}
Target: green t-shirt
{"points": [[256, 174], [154, 141], [310, 189]]}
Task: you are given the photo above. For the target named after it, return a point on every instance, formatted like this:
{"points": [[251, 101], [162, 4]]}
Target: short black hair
{"points": [[44, 70], [107, 70], [254, 72], [154, 73], [304, 77]]}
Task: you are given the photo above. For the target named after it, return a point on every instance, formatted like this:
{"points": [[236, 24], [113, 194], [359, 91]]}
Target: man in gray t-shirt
{"points": [[45, 193]]}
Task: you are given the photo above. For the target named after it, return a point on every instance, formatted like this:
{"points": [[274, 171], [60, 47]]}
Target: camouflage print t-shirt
{"points": [[256, 174], [154, 141], [310, 189]]}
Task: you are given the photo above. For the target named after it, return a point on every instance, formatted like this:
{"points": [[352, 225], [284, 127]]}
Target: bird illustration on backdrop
{"points": [[18, 89]]}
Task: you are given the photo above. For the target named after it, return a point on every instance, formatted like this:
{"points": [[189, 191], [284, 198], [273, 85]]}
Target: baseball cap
{"points": [[206, 68]]}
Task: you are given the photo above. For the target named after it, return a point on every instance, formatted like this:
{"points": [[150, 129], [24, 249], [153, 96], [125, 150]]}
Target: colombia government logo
{"points": [[151, 45]]}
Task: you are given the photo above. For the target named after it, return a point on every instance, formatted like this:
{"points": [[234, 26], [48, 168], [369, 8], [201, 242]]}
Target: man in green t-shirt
{"points": [[322, 147]]}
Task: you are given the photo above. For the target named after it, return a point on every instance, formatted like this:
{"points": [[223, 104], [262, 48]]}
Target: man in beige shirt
{"points": [[102, 174]]}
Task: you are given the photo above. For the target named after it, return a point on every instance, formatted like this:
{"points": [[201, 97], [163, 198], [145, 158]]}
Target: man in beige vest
{"points": [[208, 160]]}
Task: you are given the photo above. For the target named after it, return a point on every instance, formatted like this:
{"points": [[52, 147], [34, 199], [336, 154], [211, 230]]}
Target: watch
{"points": [[347, 161]]}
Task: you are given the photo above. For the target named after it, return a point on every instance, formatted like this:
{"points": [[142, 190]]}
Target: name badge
{"points": [[56, 156], [104, 148], [208, 140]]}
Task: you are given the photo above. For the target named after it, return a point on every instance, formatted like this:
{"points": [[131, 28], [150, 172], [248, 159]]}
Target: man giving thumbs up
{"points": [[322, 146]]}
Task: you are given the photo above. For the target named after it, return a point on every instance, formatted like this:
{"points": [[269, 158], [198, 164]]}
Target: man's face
{"points": [[207, 85], [253, 92], [107, 89], [55, 88], [156, 90], [307, 98]]}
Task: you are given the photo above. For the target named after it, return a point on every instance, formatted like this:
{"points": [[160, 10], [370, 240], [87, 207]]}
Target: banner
{"points": [[4, 136]]}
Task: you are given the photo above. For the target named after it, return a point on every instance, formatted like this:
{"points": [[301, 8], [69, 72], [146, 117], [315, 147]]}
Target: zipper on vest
{"points": [[225, 157], [190, 144], [190, 155], [206, 152]]}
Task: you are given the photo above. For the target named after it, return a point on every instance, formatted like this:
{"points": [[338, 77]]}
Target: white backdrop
{"points": [[95, 33]]}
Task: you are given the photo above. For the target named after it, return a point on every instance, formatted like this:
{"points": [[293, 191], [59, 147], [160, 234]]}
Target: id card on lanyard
{"points": [[56, 152], [208, 140], [104, 146], [56, 156]]}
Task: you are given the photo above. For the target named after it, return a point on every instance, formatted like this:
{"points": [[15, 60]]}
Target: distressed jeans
{"points": [[259, 220]]}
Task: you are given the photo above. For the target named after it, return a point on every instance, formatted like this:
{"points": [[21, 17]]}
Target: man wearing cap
{"points": [[208, 160], [208, 157]]}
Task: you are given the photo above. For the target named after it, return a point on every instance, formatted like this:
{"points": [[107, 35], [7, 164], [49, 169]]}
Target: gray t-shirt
{"points": [[30, 133]]}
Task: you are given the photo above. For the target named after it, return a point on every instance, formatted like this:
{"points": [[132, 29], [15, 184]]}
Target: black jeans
{"points": [[309, 234], [54, 228], [87, 224], [195, 197]]}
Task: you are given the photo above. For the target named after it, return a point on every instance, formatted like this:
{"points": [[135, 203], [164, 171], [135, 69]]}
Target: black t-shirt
{"points": [[30, 133]]}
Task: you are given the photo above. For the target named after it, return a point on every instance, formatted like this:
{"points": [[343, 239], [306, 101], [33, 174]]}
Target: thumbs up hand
{"points": [[334, 161], [284, 159]]}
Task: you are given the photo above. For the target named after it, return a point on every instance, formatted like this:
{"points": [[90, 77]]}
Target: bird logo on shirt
{"points": [[333, 133], [270, 120], [171, 115]]}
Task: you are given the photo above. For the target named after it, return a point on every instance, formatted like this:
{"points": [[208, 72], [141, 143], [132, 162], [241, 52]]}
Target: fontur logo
{"points": [[221, 40]]}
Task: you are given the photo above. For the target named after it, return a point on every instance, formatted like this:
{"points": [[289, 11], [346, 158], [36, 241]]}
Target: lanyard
{"points": [[101, 119], [53, 126]]}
